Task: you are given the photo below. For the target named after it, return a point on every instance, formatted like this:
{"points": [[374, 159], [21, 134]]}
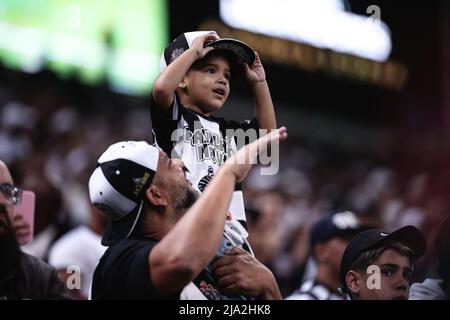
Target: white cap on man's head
{"points": [[118, 184]]}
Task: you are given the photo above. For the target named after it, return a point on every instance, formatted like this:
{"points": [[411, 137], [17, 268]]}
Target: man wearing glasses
{"points": [[21, 276]]}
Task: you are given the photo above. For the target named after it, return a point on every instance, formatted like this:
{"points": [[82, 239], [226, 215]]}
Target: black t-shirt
{"points": [[124, 273]]}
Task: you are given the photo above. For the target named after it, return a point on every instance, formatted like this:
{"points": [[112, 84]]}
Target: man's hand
{"points": [[255, 73], [199, 43], [22, 228], [238, 272], [241, 162]]}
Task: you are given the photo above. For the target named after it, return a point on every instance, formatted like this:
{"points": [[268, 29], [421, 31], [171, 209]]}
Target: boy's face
{"points": [[207, 84], [395, 274]]}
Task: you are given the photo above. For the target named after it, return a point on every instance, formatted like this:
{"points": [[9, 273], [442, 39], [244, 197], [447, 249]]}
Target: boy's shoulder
{"points": [[178, 112]]}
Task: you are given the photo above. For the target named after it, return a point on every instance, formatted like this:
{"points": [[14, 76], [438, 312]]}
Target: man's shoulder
{"points": [[39, 280], [134, 243], [123, 255], [123, 272], [129, 246], [34, 268], [30, 262]]}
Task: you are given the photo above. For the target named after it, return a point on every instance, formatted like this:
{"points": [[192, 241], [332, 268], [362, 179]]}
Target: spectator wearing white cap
{"points": [[160, 238]]}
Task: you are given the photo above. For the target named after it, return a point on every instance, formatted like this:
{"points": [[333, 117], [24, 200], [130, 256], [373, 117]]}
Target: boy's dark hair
{"points": [[408, 236], [367, 258], [235, 67]]}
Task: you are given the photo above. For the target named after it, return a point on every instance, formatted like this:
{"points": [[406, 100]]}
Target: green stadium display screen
{"points": [[116, 41]]}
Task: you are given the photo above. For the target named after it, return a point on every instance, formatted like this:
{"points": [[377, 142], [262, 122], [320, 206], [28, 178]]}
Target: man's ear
{"points": [[353, 282], [155, 196]]}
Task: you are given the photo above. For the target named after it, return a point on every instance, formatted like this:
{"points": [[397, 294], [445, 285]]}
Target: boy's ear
{"points": [[352, 280], [155, 196], [183, 83]]}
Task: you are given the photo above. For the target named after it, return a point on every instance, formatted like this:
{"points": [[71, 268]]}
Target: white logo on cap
{"points": [[383, 234], [176, 53], [346, 220]]}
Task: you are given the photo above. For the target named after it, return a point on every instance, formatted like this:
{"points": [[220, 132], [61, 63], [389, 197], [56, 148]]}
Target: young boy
{"points": [[194, 82], [377, 265]]}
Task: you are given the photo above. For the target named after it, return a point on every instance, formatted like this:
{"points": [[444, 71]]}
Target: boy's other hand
{"points": [[199, 43], [255, 72]]}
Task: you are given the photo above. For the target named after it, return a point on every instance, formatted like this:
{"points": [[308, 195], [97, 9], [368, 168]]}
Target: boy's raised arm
{"points": [[167, 82], [264, 110]]}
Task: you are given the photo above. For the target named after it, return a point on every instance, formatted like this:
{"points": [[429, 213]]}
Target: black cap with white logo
{"points": [[409, 236]]}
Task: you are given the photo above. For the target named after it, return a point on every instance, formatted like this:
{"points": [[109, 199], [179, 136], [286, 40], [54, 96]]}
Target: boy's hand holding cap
{"points": [[241, 51]]}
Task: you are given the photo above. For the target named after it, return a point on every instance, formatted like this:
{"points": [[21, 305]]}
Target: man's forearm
{"points": [[204, 226], [197, 235]]}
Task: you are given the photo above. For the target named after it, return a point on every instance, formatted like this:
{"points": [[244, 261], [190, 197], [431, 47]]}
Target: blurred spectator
{"points": [[21, 276], [329, 237], [437, 289], [55, 129], [80, 247], [50, 219], [266, 234]]}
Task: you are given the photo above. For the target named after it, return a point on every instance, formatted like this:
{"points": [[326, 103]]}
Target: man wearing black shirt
{"points": [[161, 238]]}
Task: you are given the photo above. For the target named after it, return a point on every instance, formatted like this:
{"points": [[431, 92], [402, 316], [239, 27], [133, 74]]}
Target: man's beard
{"points": [[190, 196], [9, 248]]}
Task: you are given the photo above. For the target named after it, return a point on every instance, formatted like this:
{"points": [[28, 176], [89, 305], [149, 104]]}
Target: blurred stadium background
{"points": [[366, 102]]}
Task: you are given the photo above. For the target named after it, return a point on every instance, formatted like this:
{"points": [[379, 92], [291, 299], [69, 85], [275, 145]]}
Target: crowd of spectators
{"points": [[52, 131]]}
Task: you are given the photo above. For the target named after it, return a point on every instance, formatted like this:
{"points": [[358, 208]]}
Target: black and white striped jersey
{"points": [[313, 290], [201, 142]]}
